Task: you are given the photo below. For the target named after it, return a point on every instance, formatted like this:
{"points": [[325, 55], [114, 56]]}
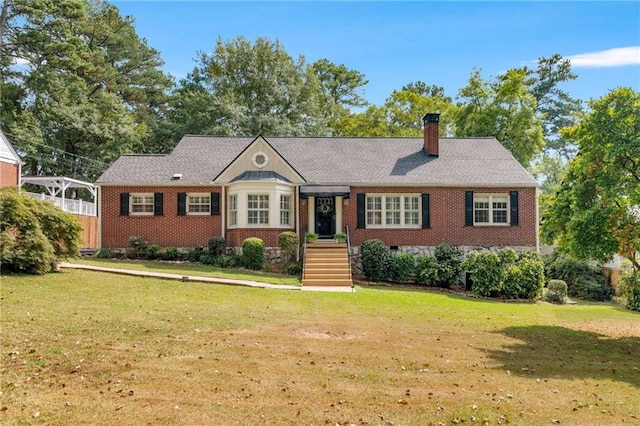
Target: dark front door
{"points": [[325, 216]]}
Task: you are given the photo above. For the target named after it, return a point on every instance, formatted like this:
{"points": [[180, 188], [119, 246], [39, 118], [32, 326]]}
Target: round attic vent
{"points": [[260, 159]]}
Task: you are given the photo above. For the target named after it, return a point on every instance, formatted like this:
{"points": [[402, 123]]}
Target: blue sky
{"points": [[394, 43]]}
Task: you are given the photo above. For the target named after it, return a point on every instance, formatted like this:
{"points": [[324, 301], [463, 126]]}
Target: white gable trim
{"points": [[245, 161], [7, 153]]}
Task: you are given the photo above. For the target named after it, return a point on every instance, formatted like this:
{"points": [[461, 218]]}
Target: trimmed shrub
{"points": [[584, 279], [487, 272], [375, 258], [531, 278], [401, 266], [449, 265], [153, 251], [556, 291], [170, 253], [34, 235], [253, 253], [427, 270], [288, 242], [135, 247], [217, 246]]}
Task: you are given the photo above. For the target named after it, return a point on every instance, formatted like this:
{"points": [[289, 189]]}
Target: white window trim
{"points": [[491, 196], [142, 194], [243, 189], [235, 210], [402, 224], [188, 203], [285, 210], [259, 209]]}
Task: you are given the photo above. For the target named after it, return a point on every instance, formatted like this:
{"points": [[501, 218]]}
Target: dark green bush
{"points": [[217, 246], [584, 279], [531, 276], [292, 268], [135, 247], [228, 261], [253, 253], [556, 291], [288, 242], [427, 270], [170, 253], [104, 253], [195, 253], [375, 258], [208, 259], [400, 267], [487, 272], [629, 288], [449, 265], [34, 235], [152, 252]]}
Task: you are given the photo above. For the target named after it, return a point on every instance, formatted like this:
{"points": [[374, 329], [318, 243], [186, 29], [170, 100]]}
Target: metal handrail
{"points": [[349, 250]]}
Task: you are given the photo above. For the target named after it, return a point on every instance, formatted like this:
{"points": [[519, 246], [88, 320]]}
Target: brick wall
{"points": [[446, 206], [168, 230], [8, 174], [447, 220]]}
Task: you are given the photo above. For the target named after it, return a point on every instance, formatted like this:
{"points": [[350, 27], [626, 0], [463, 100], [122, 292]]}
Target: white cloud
{"points": [[618, 57]]}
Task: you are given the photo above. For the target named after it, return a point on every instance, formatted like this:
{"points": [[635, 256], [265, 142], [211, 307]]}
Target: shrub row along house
{"points": [[411, 193]]}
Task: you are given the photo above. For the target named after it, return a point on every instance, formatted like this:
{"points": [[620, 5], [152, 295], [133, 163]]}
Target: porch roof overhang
{"points": [[56, 185], [307, 191]]}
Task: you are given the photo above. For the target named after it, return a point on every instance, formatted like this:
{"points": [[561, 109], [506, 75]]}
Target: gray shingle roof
{"points": [[378, 161]]}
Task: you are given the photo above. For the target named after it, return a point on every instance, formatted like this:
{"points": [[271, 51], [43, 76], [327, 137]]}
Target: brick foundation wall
{"points": [[8, 174]]}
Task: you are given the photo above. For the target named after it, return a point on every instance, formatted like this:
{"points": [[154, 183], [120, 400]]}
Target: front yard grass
{"points": [[83, 347], [191, 268]]}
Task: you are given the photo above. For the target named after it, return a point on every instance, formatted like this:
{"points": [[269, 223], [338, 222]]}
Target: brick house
{"points": [[411, 193], [10, 163]]}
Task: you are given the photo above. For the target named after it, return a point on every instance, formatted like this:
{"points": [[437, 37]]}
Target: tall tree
{"points": [[245, 88], [505, 109], [596, 212], [80, 86]]}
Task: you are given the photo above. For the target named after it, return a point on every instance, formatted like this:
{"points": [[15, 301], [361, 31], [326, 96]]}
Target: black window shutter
{"points": [[361, 208], [215, 203], [182, 203], [426, 216], [157, 204], [468, 208], [124, 204], [513, 195]]}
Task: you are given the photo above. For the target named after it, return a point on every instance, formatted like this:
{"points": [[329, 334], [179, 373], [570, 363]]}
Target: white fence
{"points": [[79, 207]]}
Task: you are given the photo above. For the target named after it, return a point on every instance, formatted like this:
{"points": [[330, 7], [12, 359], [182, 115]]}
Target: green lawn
{"points": [[82, 347], [192, 269]]}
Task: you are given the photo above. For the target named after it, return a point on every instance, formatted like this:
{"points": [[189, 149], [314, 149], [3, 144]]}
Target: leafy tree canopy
{"points": [[596, 212]]}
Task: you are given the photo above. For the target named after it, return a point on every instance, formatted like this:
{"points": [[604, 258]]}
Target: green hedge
{"points": [[253, 253]]}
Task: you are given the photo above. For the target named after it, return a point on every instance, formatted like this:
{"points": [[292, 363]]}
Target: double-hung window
{"points": [[141, 204], [393, 211], [489, 209], [285, 210], [233, 210], [198, 204], [258, 209]]}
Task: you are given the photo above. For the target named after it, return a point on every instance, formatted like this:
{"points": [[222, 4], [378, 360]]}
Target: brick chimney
{"points": [[431, 136]]}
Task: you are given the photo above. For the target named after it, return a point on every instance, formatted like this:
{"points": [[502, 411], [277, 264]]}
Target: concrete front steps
{"points": [[326, 263]]}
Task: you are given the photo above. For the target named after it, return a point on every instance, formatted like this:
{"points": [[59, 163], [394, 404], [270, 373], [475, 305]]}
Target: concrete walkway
{"points": [[201, 279]]}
